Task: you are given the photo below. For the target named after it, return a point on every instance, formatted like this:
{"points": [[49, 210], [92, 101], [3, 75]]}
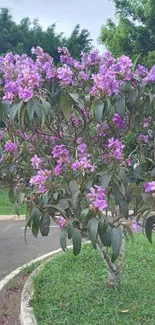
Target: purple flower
{"points": [[11, 147], [39, 181], [82, 164], [65, 75], [106, 82], [144, 138], [149, 187], [1, 135], [60, 152], [118, 121], [146, 122], [79, 140], [134, 225], [116, 148], [97, 197], [62, 222], [129, 162], [83, 75], [36, 162], [151, 75], [75, 120], [58, 169], [82, 148]]}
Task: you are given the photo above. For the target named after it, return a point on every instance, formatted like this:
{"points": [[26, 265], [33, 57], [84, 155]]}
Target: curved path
{"points": [[13, 250]]}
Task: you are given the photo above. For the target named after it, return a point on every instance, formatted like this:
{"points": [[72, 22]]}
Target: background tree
{"points": [[20, 38], [135, 31]]}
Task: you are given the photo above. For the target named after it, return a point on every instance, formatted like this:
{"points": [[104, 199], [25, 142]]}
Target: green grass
{"points": [[6, 207], [71, 290]]}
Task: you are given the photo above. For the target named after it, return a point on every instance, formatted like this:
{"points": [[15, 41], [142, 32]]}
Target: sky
{"points": [[90, 14]]}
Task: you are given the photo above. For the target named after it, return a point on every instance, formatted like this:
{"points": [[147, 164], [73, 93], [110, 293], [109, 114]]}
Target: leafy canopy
{"points": [[134, 33], [64, 151]]}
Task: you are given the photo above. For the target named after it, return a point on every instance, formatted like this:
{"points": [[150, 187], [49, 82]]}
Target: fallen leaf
{"points": [[133, 308], [125, 311]]}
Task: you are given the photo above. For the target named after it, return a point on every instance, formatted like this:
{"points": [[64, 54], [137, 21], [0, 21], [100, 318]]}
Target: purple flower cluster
{"points": [[65, 75], [36, 162], [24, 78], [119, 122], [11, 147], [146, 122], [39, 180], [116, 149], [106, 82], [62, 222], [101, 128], [61, 154], [97, 197], [144, 138], [151, 76], [149, 187], [84, 161]]}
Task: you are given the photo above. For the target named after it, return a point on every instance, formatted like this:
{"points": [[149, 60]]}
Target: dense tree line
{"points": [[20, 38]]}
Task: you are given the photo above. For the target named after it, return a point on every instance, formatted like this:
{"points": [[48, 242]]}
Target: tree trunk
{"points": [[113, 280], [114, 271]]}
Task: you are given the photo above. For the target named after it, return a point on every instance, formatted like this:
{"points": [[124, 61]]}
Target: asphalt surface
{"points": [[13, 250]]}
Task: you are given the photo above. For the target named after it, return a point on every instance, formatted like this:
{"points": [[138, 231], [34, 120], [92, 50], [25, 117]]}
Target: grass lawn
{"points": [[6, 207], [71, 290]]}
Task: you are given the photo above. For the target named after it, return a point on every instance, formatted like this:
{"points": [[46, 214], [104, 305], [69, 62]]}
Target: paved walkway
{"points": [[13, 250]]}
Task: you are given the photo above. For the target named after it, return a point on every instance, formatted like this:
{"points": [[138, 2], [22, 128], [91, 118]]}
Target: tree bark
{"points": [[114, 271]]}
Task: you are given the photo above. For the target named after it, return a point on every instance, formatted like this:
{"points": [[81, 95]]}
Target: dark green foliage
{"points": [[134, 33], [20, 38]]}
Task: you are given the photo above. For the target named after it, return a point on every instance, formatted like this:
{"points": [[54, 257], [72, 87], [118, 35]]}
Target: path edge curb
{"points": [[27, 316]]}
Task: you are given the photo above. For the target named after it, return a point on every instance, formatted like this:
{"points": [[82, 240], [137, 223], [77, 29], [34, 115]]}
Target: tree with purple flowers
{"points": [[64, 149]]}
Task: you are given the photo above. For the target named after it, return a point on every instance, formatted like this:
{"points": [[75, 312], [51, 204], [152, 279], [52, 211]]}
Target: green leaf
{"points": [[137, 122], [1, 152], [73, 186], [76, 238], [46, 106], [123, 177], [35, 221], [149, 227], [99, 110], [30, 110], [63, 204], [106, 236], [45, 224], [93, 230], [132, 97], [70, 229], [63, 239], [105, 179], [12, 195], [14, 109], [120, 105], [66, 107], [124, 208], [116, 241], [5, 110], [16, 207], [77, 99], [117, 194], [129, 231], [102, 226], [28, 224], [21, 197], [135, 62]]}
